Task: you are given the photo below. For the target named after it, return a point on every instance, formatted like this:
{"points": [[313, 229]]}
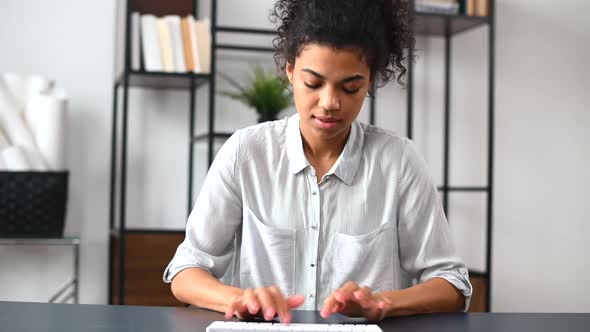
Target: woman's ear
{"points": [[289, 71]]}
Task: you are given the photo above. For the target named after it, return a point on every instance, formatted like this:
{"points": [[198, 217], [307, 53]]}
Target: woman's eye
{"points": [[350, 91], [312, 86]]}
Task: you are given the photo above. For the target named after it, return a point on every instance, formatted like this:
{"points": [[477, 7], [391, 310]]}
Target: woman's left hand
{"points": [[356, 301]]}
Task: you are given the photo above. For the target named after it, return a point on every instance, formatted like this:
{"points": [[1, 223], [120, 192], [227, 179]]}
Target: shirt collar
{"points": [[297, 160], [348, 162]]}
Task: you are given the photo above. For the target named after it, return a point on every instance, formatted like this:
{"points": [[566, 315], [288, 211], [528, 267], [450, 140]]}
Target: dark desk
{"points": [[21, 317]]}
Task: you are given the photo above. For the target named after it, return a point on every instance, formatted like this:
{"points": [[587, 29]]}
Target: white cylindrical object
{"points": [[7, 100], [18, 87], [15, 128], [4, 142], [46, 114], [37, 84], [14, 159], [35, 158]]}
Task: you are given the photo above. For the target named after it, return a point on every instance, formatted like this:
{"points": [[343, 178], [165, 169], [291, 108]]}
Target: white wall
{"points": [[71, 42], [541, 142]]}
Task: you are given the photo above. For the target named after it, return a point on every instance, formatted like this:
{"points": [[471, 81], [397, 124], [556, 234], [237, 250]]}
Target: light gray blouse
{"points": [[375, 218]]}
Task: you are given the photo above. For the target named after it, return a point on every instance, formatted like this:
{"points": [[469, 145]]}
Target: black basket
{"points": [[33, 204]]}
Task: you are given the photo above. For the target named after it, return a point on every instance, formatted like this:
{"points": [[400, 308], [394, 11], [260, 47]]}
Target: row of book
{"points": [[454, 7], [170, 44]]}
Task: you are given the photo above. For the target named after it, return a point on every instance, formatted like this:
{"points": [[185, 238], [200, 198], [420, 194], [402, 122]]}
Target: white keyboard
{"points": [[221, 326]]}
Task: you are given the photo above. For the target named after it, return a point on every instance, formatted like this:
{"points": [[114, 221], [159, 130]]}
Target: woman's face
{"points": [[329, 87]]}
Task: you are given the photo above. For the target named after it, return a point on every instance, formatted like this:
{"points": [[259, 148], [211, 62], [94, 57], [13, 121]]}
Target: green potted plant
{"points": [[265, 92]]}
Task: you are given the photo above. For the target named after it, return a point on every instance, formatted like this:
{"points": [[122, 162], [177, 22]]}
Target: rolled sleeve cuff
{"points": [[186, 258], [460, 280]]}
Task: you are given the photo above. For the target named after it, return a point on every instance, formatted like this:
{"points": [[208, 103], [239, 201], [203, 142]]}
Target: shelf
{"points": [[440, 24], [424, 24], [230, 29], [465, 189], [245, 48], [164, 80], [116, 232], [217, 135], [481, 274]]}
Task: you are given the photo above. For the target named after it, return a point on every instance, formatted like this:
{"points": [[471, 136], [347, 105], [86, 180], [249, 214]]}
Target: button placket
{"points": [[314, 235]]}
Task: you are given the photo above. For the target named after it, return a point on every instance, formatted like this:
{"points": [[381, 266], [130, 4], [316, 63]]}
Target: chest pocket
{"points": [[365, 259], [267, 255]]}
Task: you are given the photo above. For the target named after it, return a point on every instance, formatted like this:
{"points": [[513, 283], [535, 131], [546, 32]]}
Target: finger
{"points": [[331, 305], [251, 301], [345, 293], [266, 303], [295, 301], [365, 298], [232, 308], [280, 304], [242, 310]]}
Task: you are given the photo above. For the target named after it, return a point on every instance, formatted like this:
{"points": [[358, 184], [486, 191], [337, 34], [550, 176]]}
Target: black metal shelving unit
{"points": [[445, 26]]}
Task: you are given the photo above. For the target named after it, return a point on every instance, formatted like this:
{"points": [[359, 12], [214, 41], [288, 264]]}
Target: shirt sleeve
{"points": [[426, 246], [214, 220]]}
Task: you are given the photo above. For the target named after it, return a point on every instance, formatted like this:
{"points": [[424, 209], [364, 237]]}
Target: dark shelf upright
{"points": [[491, 137]]}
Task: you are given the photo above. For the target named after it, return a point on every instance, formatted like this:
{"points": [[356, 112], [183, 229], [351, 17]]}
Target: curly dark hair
{"points": [[380, 28]]}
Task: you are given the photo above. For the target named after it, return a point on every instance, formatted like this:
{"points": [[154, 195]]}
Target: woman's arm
{"points": [[434, 295], [198, 287]]}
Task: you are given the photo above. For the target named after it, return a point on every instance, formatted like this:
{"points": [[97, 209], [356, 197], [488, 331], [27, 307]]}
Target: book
{"points": [[135, 43], [188, 37], [482, 8], [470, 8], [165, 45], [447, 8], [203, 32], [176, 43], [150, 42]]}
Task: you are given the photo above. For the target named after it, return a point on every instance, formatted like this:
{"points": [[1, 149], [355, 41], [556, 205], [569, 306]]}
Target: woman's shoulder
{"points": [[266, 130], [263, 136], [380, 136]]}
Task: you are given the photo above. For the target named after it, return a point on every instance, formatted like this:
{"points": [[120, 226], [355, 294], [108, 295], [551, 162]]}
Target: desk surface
{"points": [[24, 317]]}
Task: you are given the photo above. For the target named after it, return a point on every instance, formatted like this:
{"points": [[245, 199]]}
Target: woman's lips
{"points": [[325, 122]]}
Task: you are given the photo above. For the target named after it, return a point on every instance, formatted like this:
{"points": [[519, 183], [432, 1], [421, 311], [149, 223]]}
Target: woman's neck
{"points": [[318, 150]]}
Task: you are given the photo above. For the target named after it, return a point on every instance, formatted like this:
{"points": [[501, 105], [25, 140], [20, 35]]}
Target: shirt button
{"points": [[313, 192], [314, 226], [310, 295]]}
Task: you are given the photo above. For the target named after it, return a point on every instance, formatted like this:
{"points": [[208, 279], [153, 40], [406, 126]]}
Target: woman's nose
{"points": [[329, 100]]}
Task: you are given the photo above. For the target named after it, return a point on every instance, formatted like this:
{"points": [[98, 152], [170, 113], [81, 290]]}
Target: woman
{"points": [[318, 211]]}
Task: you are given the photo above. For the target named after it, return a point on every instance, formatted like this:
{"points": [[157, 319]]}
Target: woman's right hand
{"points": [[264, 302]]}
